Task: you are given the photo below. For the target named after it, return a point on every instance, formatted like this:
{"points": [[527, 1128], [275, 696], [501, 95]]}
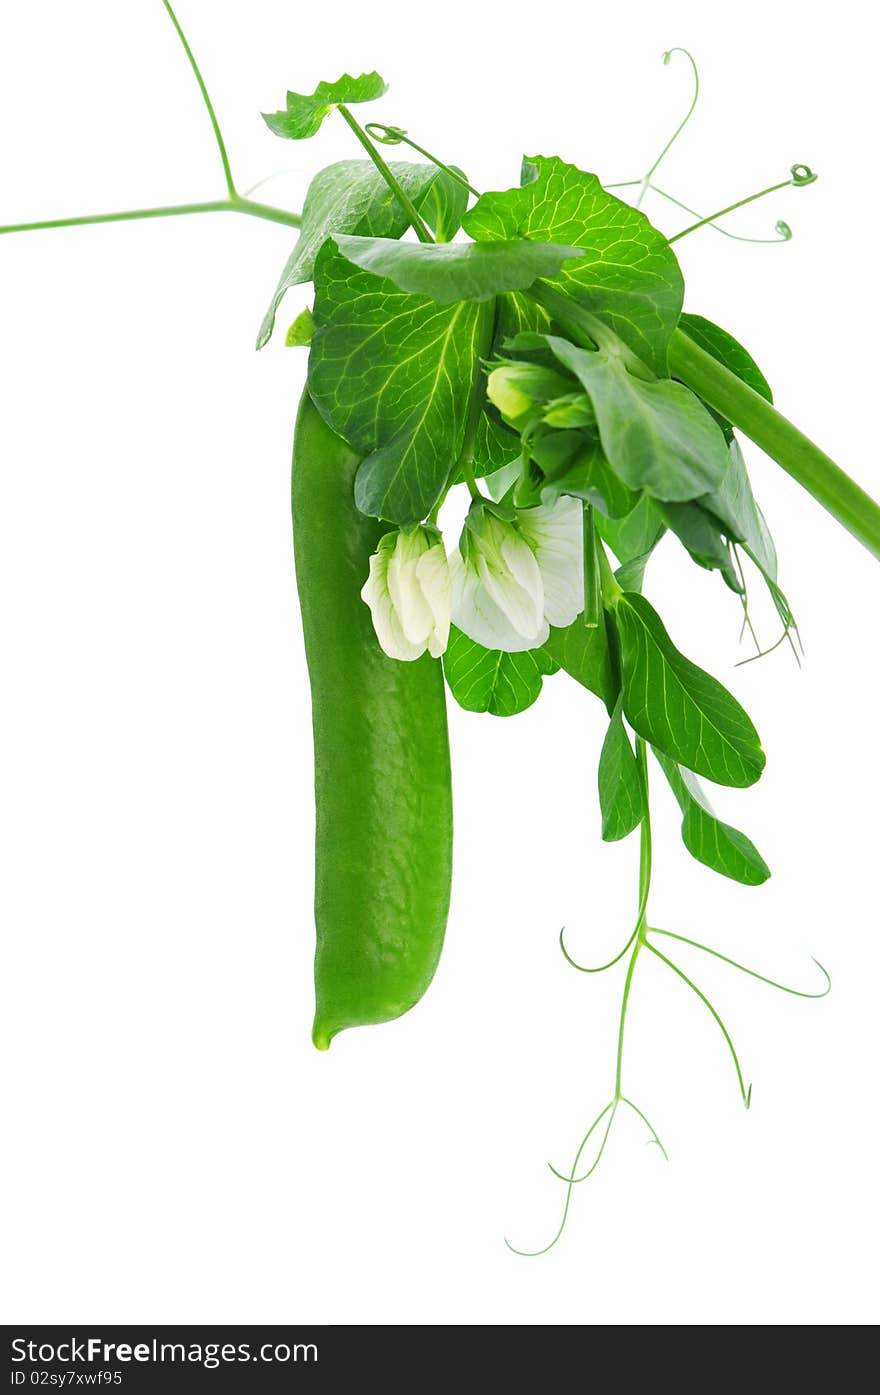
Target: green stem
{"points": [[485, 334], [592, 580], [267, 211], [799, 457], [645, 854], [418, 225], [129, 215], [174, 210], [218, 136], [731, 208]]}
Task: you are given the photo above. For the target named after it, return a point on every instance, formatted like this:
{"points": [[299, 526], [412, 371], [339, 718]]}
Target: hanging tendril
{"points": [[746, 1093]]}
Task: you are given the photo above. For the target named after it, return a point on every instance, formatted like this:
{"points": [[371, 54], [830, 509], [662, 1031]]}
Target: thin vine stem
{"points": [[596, 968], [729, 208], [233, 203], [419, 226], [644, 871], [645, 866], [752, 973], [218, 134], [394, 135], [174, 210], [783, 230], [746, 1093], [646, 180]]}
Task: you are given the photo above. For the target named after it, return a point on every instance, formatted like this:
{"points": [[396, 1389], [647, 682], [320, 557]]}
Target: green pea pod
{"points": [[383, 794]]}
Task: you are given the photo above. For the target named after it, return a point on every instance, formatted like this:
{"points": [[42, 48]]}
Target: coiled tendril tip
{"points": [[385, 135], [801, 175]]}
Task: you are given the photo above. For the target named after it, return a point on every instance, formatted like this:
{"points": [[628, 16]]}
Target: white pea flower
{"points": [[408, 592], [512, 579]]}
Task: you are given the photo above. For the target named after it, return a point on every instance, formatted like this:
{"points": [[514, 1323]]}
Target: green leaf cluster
{"points": [[534, 354]]}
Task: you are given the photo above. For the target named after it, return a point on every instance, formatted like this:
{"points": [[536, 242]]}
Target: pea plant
{"points": [[528, 346]]}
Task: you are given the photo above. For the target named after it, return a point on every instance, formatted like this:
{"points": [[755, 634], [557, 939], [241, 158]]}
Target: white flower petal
{"points": [[476, 614], [506, 566], [555, 532], [432, 571], [407, 597], [386, 623], [525, 570]]}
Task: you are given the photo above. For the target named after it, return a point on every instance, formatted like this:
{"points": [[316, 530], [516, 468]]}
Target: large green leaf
{"points": [[657, 435], [621, 793], [453, 271], [629, 277], [706, 838], [584, 652], [392, 373], [350, 196], [678, 707], [306, 111], [490, 680]]}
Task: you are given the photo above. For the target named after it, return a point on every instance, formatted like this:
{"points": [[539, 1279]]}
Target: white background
{"points": [[176, 1149]]}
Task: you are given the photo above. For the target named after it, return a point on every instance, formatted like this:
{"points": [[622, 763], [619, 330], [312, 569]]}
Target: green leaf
{"points": [[489, 680], [305, 112], [569, 413], [630, 576], [494, 447], [629, 277], [635, 536], [733, 504], [621, 794], [585, 654], [392, 373], [444, 205], [658, 436], [575, 464], [516, 314], [349, 196], [706, 838], [679, 707], [299, 335], [727, 350], [701, 535], [452, 271]]}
